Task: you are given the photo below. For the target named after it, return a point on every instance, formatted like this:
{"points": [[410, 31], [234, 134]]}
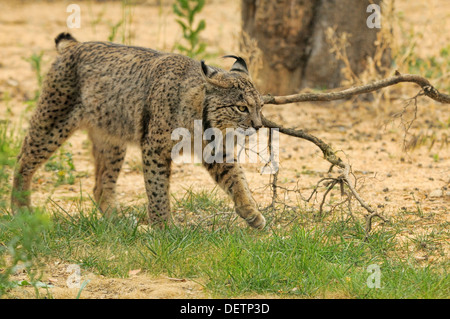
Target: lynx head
{"points": [[231, 99]]}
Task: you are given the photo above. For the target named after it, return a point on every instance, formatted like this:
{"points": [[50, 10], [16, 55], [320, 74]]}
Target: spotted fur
{"points": [[125, 94]]}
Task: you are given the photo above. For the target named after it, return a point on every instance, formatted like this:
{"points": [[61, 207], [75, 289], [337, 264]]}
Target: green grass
{"points": [[233, 261], [10, 139], [295, 256], [24, 232]]}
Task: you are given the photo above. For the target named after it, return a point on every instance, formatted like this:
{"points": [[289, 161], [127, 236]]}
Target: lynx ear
{"points": [[212, 76], [239, 65], [207, 71]]}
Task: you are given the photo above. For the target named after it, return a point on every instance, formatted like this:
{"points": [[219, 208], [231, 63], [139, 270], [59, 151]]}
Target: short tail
{"points": [[63, 40]]}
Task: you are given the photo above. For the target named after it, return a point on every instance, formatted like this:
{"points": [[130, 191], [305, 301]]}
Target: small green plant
{"points": [[24, 237], [62, 164], [113, 33], [95, 20], [9, 147], [124, 25], [82, 286], [6, 97], [432, 67], [35, 61], [186, 10], [436, 158]]}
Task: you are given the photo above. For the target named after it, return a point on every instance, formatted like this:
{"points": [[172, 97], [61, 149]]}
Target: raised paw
{"points": [[252, 216], [259, 222]]}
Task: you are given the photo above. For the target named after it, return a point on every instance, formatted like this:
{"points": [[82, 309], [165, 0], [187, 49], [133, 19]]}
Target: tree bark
{"points": [[292, 37]]}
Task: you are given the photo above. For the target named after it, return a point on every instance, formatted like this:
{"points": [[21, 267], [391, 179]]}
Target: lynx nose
{"points": [[257, 124], [255, 118]]}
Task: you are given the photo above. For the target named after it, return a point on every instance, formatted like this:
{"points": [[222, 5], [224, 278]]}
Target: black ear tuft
{"points": [[204, 67], [208, 71], [239, 65]]}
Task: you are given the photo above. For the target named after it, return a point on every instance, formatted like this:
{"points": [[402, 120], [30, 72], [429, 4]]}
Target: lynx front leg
{"points": [[232, 179], [157, 168], [109, 158]]}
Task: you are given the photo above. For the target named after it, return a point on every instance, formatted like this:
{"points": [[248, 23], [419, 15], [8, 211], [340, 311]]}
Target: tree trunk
{"points": [[292, 37]]}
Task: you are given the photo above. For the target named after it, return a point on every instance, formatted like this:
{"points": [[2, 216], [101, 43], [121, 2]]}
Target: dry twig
{"points": [[426, 89]]}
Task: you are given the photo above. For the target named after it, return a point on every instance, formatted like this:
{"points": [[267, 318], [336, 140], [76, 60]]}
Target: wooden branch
{"points": [[331, 157], [327, 151], [427, 89]]}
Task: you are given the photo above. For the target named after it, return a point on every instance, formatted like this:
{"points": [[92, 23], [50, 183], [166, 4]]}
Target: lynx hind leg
{"points": [[231, 178], [50, 126], [109, 158]]}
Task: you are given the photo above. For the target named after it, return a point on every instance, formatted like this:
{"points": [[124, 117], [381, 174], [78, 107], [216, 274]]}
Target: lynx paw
{"points": [[253, 217], [259, 222]]}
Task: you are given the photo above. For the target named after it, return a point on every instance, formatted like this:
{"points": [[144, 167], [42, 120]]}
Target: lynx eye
{"points": [[242, 108]]}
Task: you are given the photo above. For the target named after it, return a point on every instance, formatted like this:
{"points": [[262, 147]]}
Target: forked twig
{"points": [[372, 213], [426, 89], [331, 157]]}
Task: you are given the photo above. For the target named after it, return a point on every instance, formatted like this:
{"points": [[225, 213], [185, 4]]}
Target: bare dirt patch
{"points": [[137, 285]]}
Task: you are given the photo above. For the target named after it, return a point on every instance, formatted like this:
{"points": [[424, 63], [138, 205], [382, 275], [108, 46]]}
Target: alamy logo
{"points": [[374, 279], [74, 20], [251, 146], [74, 280], [374, 19]]}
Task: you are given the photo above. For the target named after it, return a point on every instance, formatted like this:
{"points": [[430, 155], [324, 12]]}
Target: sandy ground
{"points": [[137, 285], [393, 180]]}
